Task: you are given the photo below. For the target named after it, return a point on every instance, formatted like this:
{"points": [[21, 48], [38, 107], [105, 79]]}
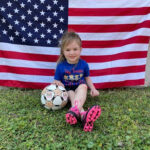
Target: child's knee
{"points": [[83, 86]]}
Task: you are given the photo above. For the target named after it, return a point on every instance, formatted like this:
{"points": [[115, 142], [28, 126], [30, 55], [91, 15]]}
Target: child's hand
{"points": [[59, 83], [94, 92]]}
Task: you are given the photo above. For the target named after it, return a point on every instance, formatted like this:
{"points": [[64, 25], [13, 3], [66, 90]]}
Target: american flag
{"points": [[115, 36]]}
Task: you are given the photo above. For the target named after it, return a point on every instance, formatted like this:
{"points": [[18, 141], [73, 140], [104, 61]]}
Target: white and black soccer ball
{"points": [[54, 97]]}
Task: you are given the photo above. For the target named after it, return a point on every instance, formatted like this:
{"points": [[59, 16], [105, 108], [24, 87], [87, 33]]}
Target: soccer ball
{"points": [[54, 97]]}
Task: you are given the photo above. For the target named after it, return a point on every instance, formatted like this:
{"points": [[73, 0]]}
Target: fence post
{"points": [[147, 73]]}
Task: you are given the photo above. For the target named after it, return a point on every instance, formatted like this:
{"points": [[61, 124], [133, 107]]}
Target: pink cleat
{"points": [[89, 117], [72, 115]]}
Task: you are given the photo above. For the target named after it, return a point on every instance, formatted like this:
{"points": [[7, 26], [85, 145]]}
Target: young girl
{"points": [[73, 73]]}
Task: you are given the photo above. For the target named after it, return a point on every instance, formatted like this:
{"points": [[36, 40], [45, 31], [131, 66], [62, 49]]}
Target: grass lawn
{"points": [[123, 125]]}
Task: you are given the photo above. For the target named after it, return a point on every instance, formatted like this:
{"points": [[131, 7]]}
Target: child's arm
{"points": [[93, 91], [57, 82]]}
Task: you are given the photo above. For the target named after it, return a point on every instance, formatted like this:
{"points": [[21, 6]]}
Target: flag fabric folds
{"points": [[115, 37]]}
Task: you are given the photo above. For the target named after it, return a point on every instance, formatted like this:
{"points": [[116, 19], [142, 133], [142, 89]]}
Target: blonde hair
{"points": [[66, 39]]}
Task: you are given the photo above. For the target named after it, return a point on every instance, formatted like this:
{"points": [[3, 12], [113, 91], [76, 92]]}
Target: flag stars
{"points": [[3, 9], [61, 19], [42, 1], [55, 13], [22, 5], [9, 15], [10, 27], [4, 32], [46, 29], [42, 13], [48, 41], [11, 38], [36, 18], [42, 24], [61, 8], [49, 30], [9, 4], [29, 23], [49, 19], [29, 34], [23, 28], [61, 31], [36, 30], [3, 20], [36, 40], [23, 39], [16, 10], [35, 6], [55, 25], [23, 17], [17, 33], [42, 35], [55, 2], [16, 22], [48, 7], [54, 36], [29, 12]]}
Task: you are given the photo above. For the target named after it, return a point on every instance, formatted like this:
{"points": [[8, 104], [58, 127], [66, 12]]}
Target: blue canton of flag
{"points": [[33, 22]]}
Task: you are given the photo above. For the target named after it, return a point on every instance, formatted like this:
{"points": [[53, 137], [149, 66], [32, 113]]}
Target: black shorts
{"points": [[73, 88]]}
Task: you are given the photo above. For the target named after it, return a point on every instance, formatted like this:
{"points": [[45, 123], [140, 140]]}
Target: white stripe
{"points": [[85, 51], [49, 79], [121, 77], [52, 65], [26, 78], [116, 50], [108, 3], [114, 35], [27, 63], [117, 63], [109, 20], [29, 49]]}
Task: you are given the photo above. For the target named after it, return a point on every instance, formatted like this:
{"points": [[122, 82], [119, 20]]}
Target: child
{"points": [[73, 73]]}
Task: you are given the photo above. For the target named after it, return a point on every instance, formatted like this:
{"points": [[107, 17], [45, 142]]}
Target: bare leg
{"points": [[71, 95], [88, 117], [79, 97]]}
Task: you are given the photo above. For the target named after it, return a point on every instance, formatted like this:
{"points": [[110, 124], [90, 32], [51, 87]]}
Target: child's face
{"points": [[72, 52]]}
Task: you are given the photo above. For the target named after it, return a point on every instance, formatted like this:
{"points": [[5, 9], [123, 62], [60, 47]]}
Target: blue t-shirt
{"points": [[72, 74]]}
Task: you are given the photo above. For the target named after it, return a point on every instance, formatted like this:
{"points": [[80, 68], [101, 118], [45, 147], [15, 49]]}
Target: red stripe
{"points": [[115, 43], [21, 84], [13, 83], [104, 58], [124, 55], [108, 11], [51, 72], [27, 56], [27, 71], [109, 28], [117, 70], [120, 84]]}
